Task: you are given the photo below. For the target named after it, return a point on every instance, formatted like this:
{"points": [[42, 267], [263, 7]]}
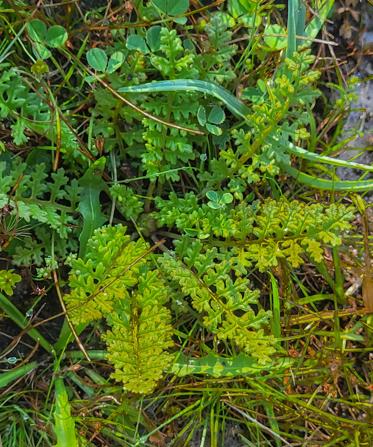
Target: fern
{"points": [[224, 303], [36, 202], [260, 234], [114, 281], [141, 334], [109, 268]]}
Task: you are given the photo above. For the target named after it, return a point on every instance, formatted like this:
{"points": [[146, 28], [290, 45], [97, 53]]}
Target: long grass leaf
{"points": [[307, 155], [10, 376], [14, 314], [328, 185], [315, 25], [236, 106], [64, 425]]}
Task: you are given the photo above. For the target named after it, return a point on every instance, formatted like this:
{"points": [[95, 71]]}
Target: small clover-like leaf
{"points": [[56, 36], [153, 37], [172, 7], [136, 42], [216, 115], [37, 30], [97, 59], [116, 61]]}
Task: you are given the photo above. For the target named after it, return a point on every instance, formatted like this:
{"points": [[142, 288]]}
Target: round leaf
{"points": [[37, 30], [275, 37], [172, 7], [212, 195], [97, 59], [136, 42], [227, 197], [116, 61], [153, 37], [217, 115], [56, 36], [215, 130]]}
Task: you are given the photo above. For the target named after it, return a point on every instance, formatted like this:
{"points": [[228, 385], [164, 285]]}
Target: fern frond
{"points": [[111, 266], [226, 305], [140, 335]]}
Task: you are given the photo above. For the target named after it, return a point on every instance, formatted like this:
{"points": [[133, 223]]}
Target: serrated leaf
{"points": [[136, 42], [97, 59], [56, 36]]}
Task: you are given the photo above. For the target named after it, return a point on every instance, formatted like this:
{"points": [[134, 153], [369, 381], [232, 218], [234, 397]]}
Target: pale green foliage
{"points": [[126, 200], [225, 303], [264, 233], [288, 230], [8, 280], [141, 334], [203, 221], [114, 281], [111, 266]]}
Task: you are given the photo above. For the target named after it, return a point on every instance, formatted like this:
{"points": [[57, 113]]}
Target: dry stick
{"points": [[59, 294]]}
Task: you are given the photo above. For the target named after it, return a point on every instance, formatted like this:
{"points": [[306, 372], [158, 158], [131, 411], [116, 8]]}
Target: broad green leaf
{"points": [[227, 197], [64, 425], [89, 205], [212, 195], [136, 42], [37, 30], [56, 36], [153, 38], [275, 37], [172, 7], [116, 61], [97, 59], [41, 51]]}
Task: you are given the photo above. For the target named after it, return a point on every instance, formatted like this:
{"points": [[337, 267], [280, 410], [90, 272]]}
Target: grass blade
{"points": [[328, 185], [14, 314], [311, 156], [64, 425], [314, 27], [10, 376], [236, 106]]}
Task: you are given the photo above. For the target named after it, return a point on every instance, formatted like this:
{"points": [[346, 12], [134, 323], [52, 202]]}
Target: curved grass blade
{"points": [[64, 425], [315, 25], [328, 185], [10, 376], [311, 156], [236, 106], [14, 314]]}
